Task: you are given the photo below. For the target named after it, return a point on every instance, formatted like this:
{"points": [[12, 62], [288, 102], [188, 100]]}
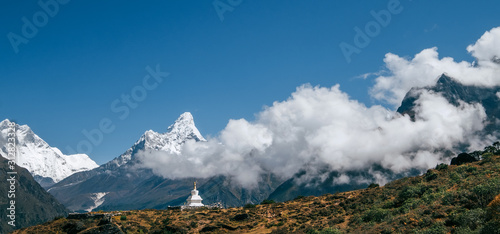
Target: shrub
{"points": [[58, 217], [193, 224], [410, 192], [330, 231], [430, 175], [376, 215], [298, 197], [471, 218], [373, 185], [249, 206], [455, 177], [494, 208], [486, 157], [436, 228], [409, 205], [484, 193], [265, 202], [123, 217], [336, 220], [441, 166], [491, 227], [462, 230], [240, 217]]}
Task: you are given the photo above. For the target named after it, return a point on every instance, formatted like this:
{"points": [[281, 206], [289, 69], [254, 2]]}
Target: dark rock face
{"points": [[33, 204], [462, 158], [455, 93]]}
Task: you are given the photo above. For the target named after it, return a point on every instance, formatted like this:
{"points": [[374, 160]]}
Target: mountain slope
{"points": [[452, 90], [127, 185], [447, 199], [455, 92], [33, 204], [47, 164]]}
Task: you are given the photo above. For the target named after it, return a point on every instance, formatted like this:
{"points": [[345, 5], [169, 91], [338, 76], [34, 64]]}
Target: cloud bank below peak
{"points": [[318, 126]]}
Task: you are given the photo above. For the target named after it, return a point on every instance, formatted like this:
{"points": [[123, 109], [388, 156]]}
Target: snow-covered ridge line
{"points": [[171, 141], [40, 159]]}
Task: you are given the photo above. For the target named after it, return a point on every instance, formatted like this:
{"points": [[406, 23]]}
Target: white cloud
{"points": [[342, 179], [323, 126], [487, 47], [318, 126], [426, 67]]}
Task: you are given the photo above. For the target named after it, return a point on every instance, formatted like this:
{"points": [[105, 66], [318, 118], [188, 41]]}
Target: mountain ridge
{"points": [[129, 186], [47, 164], [33, 205]]}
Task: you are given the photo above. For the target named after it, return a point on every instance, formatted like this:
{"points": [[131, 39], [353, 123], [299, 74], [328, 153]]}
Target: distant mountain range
{"points": [[33, 205], [120, 184], [47, 164]]}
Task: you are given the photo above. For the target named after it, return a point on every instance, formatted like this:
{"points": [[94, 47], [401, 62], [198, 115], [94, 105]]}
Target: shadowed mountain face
{"points": [[123, 184], [455, 92], [330, 182], [33, 205]]}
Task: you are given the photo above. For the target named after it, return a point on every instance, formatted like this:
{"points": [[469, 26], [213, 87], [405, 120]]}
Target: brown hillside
{"points": [[448, 199]]}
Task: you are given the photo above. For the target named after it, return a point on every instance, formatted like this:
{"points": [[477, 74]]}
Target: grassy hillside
{"points": [[456, 199]]}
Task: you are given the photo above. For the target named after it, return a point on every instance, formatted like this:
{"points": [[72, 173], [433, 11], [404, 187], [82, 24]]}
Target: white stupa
{"points": [[194, 200]]}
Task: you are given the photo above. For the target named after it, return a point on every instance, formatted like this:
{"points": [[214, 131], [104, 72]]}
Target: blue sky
{"points": [[89, 53]]}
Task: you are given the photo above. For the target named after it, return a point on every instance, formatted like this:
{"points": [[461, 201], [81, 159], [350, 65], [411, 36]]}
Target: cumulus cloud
{"points": [[425, 68], [318, 127]]}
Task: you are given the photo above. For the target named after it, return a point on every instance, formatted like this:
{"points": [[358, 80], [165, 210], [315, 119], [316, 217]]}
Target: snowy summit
{"points": [[171, 141], [47, 164]]}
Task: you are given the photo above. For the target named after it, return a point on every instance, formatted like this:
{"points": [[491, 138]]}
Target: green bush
{"points": [[409, 205], [330, 231], [298, 197], [463, 230], [455, 177], [265, 202], [373, 185], [471, 218], [436, 228], [193, 224], [484, 193], [491, 227], [441, 166], [486, 157], [377, 215], [249, 206], [430, 175], [123, 217], [411, 192]]}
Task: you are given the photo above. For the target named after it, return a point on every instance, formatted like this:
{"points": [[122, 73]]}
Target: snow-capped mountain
{"points": [[171, 141], [121, 184], [47, 164]]}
